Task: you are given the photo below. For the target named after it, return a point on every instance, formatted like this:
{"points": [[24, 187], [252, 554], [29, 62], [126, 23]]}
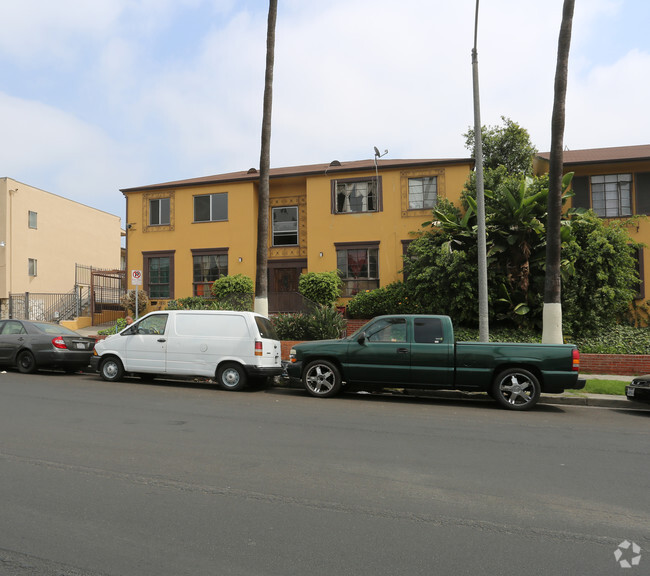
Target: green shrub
{"points": [[321, 287], [391, 299], [120, 324], [326, 322], [291, 326], [191, 303], [322, 323], [233, 293]]}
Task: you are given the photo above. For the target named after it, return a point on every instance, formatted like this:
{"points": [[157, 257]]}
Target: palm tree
{"points": [[261, 273], [552, 319]]}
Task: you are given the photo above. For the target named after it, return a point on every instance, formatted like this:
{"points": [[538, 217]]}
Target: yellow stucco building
{"points": [[43, 236], [615, 183], [352, 216]]}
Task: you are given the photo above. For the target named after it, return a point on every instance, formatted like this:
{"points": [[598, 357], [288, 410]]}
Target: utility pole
{"points": [[483, 317]]}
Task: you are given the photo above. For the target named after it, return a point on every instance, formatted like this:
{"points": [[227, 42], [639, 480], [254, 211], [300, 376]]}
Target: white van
{"points": [[228, 346]]}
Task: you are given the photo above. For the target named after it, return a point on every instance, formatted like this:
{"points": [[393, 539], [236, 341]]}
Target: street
{"points": [[170, 478]]}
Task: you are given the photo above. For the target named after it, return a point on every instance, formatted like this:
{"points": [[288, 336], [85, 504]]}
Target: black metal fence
{"points": [[48, 307]]}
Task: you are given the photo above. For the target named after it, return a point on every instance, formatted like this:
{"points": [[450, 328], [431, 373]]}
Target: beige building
{"points": [[43, 236]]}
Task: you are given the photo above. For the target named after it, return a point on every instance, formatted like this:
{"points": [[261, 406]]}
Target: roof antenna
{"points": [[378, 155]]}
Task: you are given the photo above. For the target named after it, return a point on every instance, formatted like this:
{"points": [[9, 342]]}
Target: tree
{"points": [[261, 273], [508, 145], [552, 332]]}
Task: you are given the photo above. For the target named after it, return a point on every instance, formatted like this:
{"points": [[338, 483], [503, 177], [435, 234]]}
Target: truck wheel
{"points": [[111, 369], [321, 379], [231, 376], [516, 389]]}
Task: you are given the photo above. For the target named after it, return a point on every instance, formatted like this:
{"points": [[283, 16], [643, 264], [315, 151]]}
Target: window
{"points": [[33, 219], [356, 195], [159, 274], [428, 330], [159, 212], [32, 266], [285, 226], [611, 195], [207, 267], [388, 330], [151, 325], [423, 193], [211, 207], [358, 266]]}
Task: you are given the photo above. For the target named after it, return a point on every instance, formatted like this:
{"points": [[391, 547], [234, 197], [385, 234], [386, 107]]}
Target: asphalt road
{"points": [[183, 479]]}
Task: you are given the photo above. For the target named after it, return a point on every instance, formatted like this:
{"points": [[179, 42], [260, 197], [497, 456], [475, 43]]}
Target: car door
{"points": [[12, 337], [146, 347], [432, 355], [382, 355]]}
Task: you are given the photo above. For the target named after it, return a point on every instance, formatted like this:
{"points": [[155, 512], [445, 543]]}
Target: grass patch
{"points": [[597, 386]]}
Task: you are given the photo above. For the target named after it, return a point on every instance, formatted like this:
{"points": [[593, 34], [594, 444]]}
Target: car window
{"points": [[53, 329], [428, 331], [265, 327], [151, 325], [13, 327], [387, 330]]}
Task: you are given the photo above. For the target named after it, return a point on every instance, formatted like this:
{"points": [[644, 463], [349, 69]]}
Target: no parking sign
{"points": [[136, 277]]}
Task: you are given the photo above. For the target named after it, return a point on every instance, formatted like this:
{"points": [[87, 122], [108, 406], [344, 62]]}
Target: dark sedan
{"points": [[29, 345], [639, 389]]}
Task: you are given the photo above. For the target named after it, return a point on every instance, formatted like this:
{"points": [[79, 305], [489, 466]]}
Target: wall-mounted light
{"points": [[320, 254], [2, 244], [240, 259]]}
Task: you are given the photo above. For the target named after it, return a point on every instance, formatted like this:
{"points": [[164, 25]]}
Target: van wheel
{"points": [[321, 379], [111, 369], [516, 389], [231, 376]]}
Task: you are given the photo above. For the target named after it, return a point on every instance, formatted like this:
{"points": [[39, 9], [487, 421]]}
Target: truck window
{"points": [[388, 330], [428, 330]]}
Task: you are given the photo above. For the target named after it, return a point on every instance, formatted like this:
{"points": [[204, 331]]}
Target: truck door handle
{"points": [[402, 350], [162, 340]]}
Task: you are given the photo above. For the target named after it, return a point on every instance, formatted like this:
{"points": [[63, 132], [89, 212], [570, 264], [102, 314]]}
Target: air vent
{"points": [[335, 163]]}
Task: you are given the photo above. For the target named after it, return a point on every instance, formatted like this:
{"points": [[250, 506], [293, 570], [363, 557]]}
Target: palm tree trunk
{"points": [[552, 317], [261, 273]]}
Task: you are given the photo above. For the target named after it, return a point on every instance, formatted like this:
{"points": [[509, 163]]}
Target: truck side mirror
{"points": [[362, 338]]}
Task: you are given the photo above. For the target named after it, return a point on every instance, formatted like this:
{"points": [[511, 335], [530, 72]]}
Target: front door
{"points": [[146, 347], [283, 289]]}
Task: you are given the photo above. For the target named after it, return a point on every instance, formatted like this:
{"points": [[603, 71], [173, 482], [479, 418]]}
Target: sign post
{"points": [[136, 280]]}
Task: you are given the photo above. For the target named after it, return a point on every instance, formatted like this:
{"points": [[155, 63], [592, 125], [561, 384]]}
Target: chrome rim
{"points": [[230, 377], [517, 389], [110, 369], [320, 379]]}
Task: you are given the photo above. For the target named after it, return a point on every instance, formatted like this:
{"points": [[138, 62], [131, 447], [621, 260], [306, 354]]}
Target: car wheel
{"points": [[516, 389], [25, 362], [321, 379], [231, 376], [111, 369]]}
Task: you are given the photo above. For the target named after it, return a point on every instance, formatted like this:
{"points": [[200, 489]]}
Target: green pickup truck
{"points": [[419, 352]]}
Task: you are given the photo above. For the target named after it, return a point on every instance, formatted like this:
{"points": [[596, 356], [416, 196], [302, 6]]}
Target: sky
{"points": [[100, 95]]}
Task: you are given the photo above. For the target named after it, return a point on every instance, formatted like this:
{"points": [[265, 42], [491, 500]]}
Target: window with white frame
{"points": [[285, 226], [159, 212], [356, 195], [211, 207], [612, 195], [423, 192], [358, 267], [32, 267], [33, 219]]}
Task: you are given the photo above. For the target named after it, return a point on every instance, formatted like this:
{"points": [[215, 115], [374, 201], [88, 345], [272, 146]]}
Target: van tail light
{"points": [[576, 361], [58, 342], [258, 348]]}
